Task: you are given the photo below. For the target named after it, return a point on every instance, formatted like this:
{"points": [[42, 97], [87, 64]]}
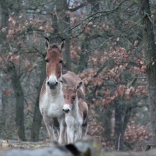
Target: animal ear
{"points": [[61, 46], [47, 44], [79, 85]]}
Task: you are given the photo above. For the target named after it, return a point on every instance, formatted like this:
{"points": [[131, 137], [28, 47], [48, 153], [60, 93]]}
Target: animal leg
{"points": [[78, 134], [84, 130], [50, 129], [70, 135], [62, 134]]}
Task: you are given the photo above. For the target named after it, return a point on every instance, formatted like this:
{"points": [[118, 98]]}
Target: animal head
{"points": [[70, 97], [54, 61]]}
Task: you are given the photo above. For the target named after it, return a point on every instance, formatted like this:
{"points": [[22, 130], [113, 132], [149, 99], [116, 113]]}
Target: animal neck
{"points": [[75, 108]]}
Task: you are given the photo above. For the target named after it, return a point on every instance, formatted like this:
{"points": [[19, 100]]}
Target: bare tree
{"points": [[150, 57]]}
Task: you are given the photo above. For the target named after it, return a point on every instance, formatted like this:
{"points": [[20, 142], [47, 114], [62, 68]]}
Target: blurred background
{"points": [[104, 46]]}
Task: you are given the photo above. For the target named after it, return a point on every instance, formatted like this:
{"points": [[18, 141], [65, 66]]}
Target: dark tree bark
{"points": [[3, 116], [4, 24], [36, 125], [66, 52], [122, 116], [64, 29], [107, 123], [105, 119], [19, 96], [4, 19], [83, 61], [119, 122], [150, 58]]}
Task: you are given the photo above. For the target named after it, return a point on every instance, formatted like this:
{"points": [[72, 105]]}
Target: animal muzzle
{"points": [[52, 85], [52, 82], [66, 108]]}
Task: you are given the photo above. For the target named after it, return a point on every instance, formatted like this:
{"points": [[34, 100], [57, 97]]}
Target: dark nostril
{"points": [[66, 110], [48, 83], [56, 84]]}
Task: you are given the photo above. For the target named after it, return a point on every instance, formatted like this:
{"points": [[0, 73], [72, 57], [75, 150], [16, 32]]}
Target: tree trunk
{"points": [[105, 119], [66, 52], [54, 36], [37, 115], [2, 119], [4, 24], [107, 124], [122, 116], [19, 96], [150, 58], [64, 24], [3, 115], [83, 61], [4, 19], [119, 121]]}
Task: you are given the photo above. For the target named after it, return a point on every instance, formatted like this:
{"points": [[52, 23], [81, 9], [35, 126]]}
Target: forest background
{"points": [[109, 44]]}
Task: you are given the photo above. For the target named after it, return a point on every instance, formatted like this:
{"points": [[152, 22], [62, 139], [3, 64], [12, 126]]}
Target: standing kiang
{"points": [[76, 113]]}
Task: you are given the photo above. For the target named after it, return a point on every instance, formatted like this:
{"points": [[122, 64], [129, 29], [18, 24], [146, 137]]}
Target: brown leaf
{"points": [[29, 106], [7, 92], [1, 59], [136, 43], [30, 68], [121, 90]]}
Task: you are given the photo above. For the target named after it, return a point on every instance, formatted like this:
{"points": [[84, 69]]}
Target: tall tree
{"points": [[64, 29], [37, 118], [3, 27], [7, 6], [150, 57], [4, 18], [19, 96]]}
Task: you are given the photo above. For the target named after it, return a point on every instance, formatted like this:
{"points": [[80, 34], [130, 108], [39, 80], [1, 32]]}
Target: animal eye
{"points": [[73, 98], [47, 60], [61, 61]]}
